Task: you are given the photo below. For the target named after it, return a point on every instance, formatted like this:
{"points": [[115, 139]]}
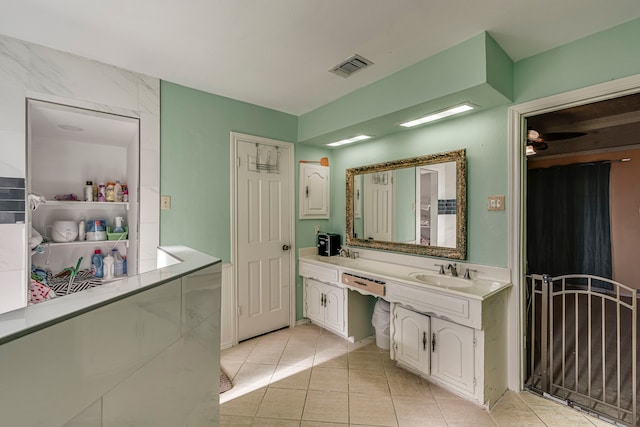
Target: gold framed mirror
{"points": [[416, 205]]}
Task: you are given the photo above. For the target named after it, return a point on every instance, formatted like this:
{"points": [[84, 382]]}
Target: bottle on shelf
{"points": [[81, 230], [125, 195], [108, 266], [95, 191], [117, 192], [88, 192], [109, 194], [118, 225], [97, 265], [118, 265], [101, 193]]}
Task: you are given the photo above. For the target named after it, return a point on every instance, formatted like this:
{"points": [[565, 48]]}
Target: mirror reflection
{"points": [[415, 205]]}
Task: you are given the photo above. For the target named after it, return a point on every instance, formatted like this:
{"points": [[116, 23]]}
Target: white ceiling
{"points": [[276, 53]]}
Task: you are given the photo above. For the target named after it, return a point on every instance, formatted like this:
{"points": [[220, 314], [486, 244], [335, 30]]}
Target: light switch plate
{"points": [[495, 203], [165, 203]]}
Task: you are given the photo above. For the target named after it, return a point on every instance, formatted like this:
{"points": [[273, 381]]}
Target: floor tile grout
{"points": [[309, 339]]}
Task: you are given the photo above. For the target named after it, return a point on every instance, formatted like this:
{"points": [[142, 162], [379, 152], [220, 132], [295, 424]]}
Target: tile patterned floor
{"points": [[308, 377]]}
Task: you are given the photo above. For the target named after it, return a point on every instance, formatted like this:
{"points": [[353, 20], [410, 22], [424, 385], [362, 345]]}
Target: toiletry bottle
{"points": [[109, 193], [117, 192], [124, 264], [118, 225], [95, 191], [88, 192], [108, 267], [81, 230], [101, 193], [125, 195], [97, 266], [118, 265]]}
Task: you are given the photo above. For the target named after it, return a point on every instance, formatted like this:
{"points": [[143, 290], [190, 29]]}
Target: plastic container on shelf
{"points": [[96, 230], [101, 193], [117, 192], [108, 267], [118, 265], [88, 192], [109, 192], [117, 236], [81, 230], [97, 265]]}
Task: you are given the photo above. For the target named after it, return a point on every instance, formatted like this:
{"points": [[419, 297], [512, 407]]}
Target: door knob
{"points": [[286, 247]]}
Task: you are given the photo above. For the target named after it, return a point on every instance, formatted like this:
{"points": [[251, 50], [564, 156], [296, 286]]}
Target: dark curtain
{"points": [[568, 228]]}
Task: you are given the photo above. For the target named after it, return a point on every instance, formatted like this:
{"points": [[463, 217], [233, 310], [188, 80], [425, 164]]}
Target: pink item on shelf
{"points": [[39, 292]]}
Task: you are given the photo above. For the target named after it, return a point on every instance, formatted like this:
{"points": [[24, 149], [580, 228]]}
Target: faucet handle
{"points": [[441, 271], [467, 271]]}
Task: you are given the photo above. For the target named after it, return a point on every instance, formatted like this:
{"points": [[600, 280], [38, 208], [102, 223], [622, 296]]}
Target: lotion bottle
{"points": [[81, 230]]}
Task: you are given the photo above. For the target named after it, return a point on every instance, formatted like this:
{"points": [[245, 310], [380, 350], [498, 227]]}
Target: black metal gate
{"points": [[582, 344]]}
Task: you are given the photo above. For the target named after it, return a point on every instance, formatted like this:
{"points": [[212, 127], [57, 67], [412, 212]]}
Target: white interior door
{"points": [[378, 211], [263, 230]]}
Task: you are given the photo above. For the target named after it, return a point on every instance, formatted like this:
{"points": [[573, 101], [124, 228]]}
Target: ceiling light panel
{"points": [[439, 115], [349, 140]]}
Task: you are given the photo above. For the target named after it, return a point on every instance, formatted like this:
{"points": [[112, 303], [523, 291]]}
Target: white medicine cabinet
{"points": [[314, 191], [66, 147]]}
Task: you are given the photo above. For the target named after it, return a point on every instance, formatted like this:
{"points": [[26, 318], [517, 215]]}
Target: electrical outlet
{"points": [[316, 230], [165, 203], [495, 203]]}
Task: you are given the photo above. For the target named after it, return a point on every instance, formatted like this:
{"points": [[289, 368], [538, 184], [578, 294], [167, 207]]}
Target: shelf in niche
{"points": [[70, 203], [86, 243]]}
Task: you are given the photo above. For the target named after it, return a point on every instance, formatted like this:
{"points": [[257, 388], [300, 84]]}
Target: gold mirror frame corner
{"points": [[460, 251]]}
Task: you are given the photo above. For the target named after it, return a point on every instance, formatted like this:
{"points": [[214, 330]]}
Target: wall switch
{"points": [[495, 203], [165, 203], [316, 230]]}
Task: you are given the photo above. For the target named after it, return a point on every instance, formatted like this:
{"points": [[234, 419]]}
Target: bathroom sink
{"points": [[441, 280]]}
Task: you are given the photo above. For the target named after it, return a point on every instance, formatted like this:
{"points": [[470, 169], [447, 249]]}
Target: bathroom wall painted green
{"points": [[195, 146], [598, 58], [456, 69], [195, 158], [483, 135]]}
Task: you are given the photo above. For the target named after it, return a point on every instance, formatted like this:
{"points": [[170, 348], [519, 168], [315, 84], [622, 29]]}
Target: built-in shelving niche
{"points": [[66, 147]]}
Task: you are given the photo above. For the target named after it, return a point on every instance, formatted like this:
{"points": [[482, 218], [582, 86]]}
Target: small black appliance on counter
{"points": [[328, 244]]}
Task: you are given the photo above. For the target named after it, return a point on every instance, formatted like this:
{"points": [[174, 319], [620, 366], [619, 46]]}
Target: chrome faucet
{"points": [[441, 271], [454, 269], [467, 272], [344, 252]]}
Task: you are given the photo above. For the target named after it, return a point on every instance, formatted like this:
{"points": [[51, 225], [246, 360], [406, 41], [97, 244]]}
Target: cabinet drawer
{"points": [[447, 306], [308, 269], [374, 286]]}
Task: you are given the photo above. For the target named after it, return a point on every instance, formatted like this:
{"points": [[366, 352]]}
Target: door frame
{"points": [[235, 137], [516, 203]]}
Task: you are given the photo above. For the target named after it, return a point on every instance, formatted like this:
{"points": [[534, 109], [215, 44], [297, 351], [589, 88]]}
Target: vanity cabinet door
{"points": [[334, 308], [452, 358], [314, 300], [314, 191], [412, 339]]}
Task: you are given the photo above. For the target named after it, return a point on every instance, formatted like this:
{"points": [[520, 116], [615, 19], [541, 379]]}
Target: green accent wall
{"points": [[195, 130], [195, 154]]}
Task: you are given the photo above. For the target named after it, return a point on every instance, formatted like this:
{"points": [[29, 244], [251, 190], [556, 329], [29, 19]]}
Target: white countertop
{"points": [[478, 289], [23, 321]]}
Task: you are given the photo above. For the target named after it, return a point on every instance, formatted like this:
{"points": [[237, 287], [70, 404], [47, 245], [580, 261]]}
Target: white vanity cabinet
{"points": [[452, 355], [324, 304], [333, 306], [411, 339], [314, 191]]}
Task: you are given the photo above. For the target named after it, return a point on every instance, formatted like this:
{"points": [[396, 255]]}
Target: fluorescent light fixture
{"points": [[349, 140], [439, 115]]}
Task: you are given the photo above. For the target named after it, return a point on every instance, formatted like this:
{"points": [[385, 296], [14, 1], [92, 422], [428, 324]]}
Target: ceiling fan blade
{"points": [[559, 136]]}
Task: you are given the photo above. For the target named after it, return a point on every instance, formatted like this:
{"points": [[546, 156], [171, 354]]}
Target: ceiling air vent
{"points": [[350, 66]]}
